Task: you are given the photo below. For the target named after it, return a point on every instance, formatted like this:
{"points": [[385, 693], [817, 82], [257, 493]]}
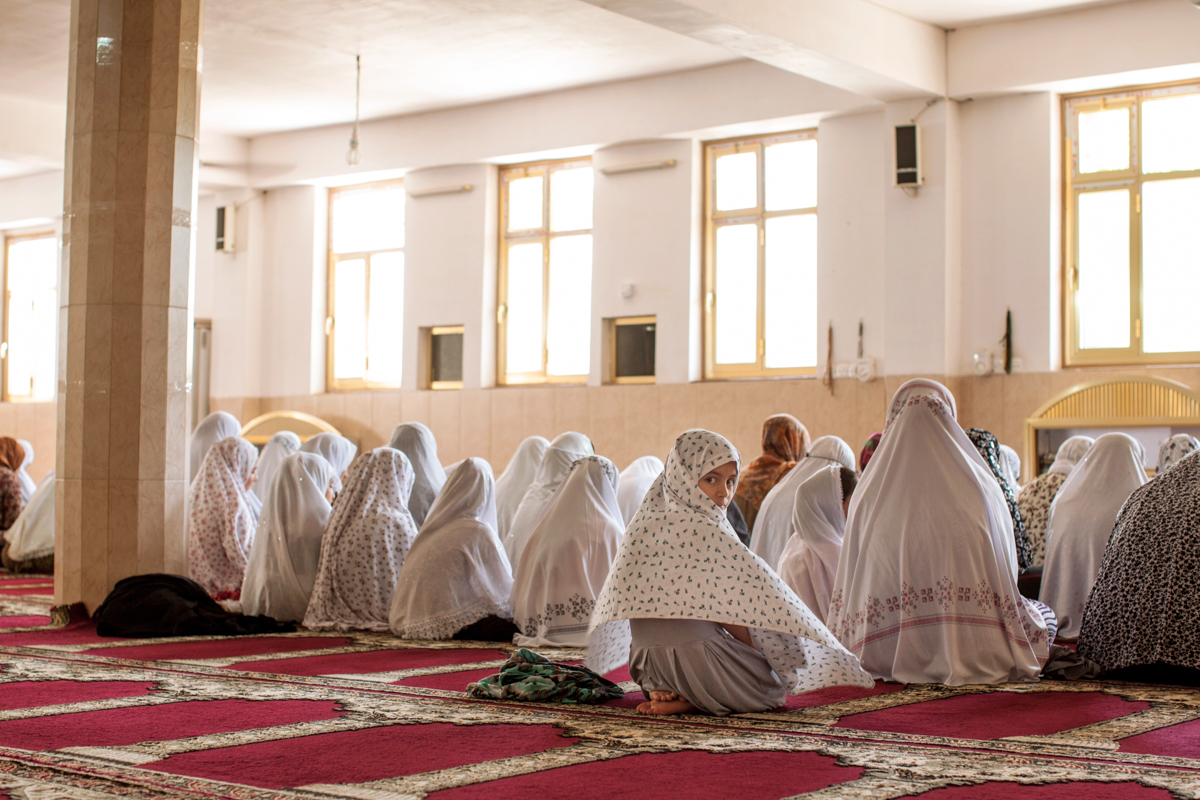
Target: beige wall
{"points": [[36, 423], [626, 422]]}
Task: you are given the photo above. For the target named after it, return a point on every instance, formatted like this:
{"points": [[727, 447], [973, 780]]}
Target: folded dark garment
{"points": [[147, 606]]}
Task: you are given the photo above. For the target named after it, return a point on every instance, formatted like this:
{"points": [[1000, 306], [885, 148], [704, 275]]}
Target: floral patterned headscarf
{"points": [[784, 442]]}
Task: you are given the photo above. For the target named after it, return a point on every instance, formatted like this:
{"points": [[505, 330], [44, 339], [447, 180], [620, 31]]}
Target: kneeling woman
{"points": [[705, 624]]}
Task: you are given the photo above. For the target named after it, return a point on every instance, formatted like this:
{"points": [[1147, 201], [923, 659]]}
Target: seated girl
{"points": [[566, 560], [565, 450], [705, 624], [366, 539], [809, 562], [337, 450], [287, 547], [456, 581], [516, 479], [29, 543], [222, 517], [416, 441], [279, 447], [1036, 496]]}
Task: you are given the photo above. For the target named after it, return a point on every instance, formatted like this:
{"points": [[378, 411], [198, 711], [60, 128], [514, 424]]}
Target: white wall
{"points": [[31, 200], [647, 233]]}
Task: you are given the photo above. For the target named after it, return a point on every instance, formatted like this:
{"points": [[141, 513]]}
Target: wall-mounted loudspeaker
{"points": [[226, 215], [908, 156]]}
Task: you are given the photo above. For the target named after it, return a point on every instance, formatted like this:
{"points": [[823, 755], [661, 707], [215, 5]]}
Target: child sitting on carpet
{"points": [[704, 623]]}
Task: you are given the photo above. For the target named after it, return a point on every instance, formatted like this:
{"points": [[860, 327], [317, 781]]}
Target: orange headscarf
{"points": [[12, 455], [784, 442]]}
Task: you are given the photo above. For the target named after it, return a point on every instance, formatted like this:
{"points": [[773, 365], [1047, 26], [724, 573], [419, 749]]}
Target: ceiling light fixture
{"points": [[354, 156]]}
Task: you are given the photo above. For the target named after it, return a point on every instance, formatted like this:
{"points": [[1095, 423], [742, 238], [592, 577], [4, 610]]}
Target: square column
{"points": [[125, 292]]}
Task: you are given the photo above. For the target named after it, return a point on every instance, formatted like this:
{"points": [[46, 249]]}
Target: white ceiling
{"points": [[272, 65], [957, 13]]}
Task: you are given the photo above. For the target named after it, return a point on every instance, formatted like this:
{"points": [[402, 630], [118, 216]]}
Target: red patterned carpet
{"points": [[307, 715]]}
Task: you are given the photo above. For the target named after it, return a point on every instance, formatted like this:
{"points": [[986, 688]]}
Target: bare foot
{"points": [[659, 708], [663, 697]]}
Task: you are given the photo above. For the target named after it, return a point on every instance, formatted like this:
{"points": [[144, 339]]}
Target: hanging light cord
{"points": [[352, 157]]}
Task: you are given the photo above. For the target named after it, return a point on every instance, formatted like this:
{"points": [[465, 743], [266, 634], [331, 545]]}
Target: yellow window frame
{"points": [[544, 236], [332, 382], [1132, 179], [613, 326], [440, 330], [713, 221]]}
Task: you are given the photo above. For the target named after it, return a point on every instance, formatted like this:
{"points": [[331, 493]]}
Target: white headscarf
{"points": [[565, 450], [718, 579], [279, 447], [635, 481], [1010, 467], [456, 572], [366, 539], [515, 480], [287, 547], [28, 484], [773, 526], [809, 562], [1170, 451], [566, 560], [416, 441], [32, 535], [221, 517], [334, 448], [1081, 521], [1069, 454], [212, 429], [926, 586]]}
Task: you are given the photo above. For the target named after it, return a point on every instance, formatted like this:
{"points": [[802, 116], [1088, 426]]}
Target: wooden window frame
{"points": [[543, 235], [713, 220], [613, 325], [9, 241], [1075, 184], [439, 330], [332, 382]]}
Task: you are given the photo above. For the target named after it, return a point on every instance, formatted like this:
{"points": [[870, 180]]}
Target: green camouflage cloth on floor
{"points": [[533, 677]]}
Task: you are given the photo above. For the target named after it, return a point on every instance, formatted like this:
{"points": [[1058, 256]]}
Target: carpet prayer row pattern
{"points": [[356, 715]]}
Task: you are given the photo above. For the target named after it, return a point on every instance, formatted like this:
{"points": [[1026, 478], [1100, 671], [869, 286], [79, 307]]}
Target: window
{"points": [[366, 286], [1132, 244], [31, 318], [760, 300], [545, 293], [631, 349], [445, 357]]}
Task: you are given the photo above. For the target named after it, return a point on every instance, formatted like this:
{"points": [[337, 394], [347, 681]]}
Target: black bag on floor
{"points": [[147, 606]]}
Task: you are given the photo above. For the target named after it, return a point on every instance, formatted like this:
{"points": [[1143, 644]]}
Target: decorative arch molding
{"points": [[260, 429]]}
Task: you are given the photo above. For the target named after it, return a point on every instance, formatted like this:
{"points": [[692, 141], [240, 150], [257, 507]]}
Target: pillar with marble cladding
{"points": [[130, 192]]}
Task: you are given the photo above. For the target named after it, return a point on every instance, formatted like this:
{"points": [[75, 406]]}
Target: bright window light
{"points": [[32, 318], [571, 199], [524, 339], [737, 294], [1102, 299], [525, 203], [385, 321], [367, 220], [1104, 140], [791, 175], [790, 293], [569, 324], [737, 181], [1170, 264], [1171, 135], [349, 310]]}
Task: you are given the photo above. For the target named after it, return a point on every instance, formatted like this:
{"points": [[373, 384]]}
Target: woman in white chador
{"points": [[212, 429], [1037, 496], [926, 586], [1010, 467], [704, 623], [287, 547], [456, 580], [515, 480], [279, 447], [567, 558], [636, 480], [222, 517], [29, 543], [773, 526], [337, 450], [809, 562], [1172, 450], [28, 484], [1081, 521], [565, 450], [365, 542], [416, 441]]}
